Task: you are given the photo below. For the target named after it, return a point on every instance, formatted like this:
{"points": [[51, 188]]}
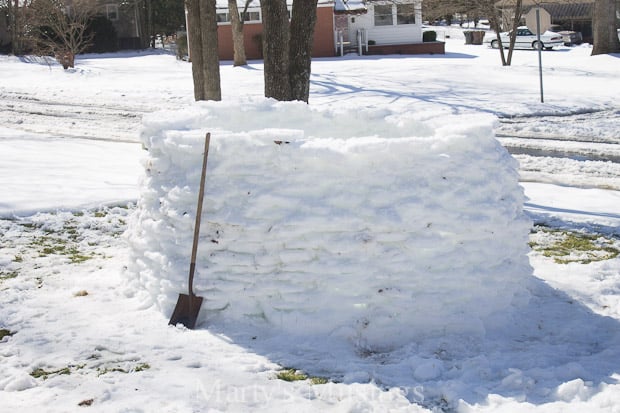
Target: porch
{"points": [[360, 45], [411, 48]]}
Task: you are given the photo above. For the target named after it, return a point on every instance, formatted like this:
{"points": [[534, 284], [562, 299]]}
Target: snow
{"points": [[333, 230], [47, 166], [71, 161]]}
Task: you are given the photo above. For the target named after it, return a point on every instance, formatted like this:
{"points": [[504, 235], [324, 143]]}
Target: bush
{"points": [[181, 43], [429, 36]]}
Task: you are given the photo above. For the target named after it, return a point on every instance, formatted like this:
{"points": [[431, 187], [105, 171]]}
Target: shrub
{"points": [[181, 43], [429, 36]]}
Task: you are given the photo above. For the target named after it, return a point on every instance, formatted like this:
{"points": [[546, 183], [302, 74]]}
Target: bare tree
{"points": [[516, 18], [495, 20], [276, 49], [14, 25], [287, 48], [303, 21], [605, 27], [503, 16], [60, 29], [236, 22], [202, 34]]}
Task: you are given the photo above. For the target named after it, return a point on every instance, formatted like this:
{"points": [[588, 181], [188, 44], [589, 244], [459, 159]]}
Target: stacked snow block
{"points": [[380, 228]]}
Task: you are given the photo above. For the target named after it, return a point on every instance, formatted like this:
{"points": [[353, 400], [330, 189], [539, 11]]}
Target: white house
{"points": [[383, 21]]}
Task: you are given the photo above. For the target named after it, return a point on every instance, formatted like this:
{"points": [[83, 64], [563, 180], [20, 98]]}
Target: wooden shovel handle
{"points": [[201, 194]]}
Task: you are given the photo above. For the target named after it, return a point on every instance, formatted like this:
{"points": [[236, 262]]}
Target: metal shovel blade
{"points": [[186, 311]]}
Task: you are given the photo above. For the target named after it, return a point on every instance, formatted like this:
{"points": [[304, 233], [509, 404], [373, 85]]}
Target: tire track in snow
{"points": [[66, 119], [579, 149], [586, 127]]}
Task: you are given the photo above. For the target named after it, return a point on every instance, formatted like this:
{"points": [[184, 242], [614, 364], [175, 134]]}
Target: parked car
{"points": [[527, 40], [570, 37]]}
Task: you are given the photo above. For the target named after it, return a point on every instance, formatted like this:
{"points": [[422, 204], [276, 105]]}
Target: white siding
{"points": [[409, 33], [395, 34]]}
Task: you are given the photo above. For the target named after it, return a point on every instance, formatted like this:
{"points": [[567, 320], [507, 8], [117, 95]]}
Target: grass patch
{"points": [[45, 374], [54, 243], [87, 402], [5, 333], [292, 375], [117, 369], [7, 275], [319, 380], [105, 370], [142, 367], [573, 247]]}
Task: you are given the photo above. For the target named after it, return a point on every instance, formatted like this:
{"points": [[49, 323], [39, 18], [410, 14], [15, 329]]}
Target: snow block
{"points": [[377, 227]]}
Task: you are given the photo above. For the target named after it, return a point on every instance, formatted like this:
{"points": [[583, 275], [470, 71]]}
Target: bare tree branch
{"points": [[60, 29]]}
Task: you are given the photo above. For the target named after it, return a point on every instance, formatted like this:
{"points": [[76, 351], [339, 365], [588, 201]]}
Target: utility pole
{"points": [[540, 73]]}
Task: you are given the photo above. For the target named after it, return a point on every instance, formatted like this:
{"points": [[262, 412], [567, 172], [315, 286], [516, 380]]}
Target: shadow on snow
{"points": [[526, 353]]}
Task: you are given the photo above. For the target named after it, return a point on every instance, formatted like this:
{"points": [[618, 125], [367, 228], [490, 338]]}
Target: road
{"points": [[572, 150], [578, 136], [72, 117]]}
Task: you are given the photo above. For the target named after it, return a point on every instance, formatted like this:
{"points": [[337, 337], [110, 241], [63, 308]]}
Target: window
{"points": [[250, 16], [111, 12], [383, 15], [405, 14], [222, 17]]}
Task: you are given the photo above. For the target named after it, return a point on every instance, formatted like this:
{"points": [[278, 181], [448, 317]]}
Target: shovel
{"points": [[188, 305]]}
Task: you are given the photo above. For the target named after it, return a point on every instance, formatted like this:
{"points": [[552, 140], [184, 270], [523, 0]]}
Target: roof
{"points": [[255, 4], [567, 10], [223, 4], [350, 6]]}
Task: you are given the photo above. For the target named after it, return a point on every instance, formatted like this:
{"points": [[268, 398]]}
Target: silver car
{"points": [[527, 40]]}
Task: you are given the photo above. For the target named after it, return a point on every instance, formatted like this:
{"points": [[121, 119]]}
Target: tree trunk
{"points": [[15, 37], [149, 23], [210, 58], [303, 21], [195, 47], [605, 28], [513, 34], [236, 23], [202, 35], [276, 49], [495, 18]]}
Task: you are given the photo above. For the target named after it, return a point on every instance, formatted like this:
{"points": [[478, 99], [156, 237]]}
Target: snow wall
{"points": [[377, 227]]}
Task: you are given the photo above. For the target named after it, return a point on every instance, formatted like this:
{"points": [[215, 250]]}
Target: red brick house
{"points": [[369, 26]]}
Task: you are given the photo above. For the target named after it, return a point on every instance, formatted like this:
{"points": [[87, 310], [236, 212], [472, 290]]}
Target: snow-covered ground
{"points": [[78, 336]]}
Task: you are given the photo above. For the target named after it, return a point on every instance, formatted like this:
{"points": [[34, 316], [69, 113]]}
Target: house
{"points": [[575, 15], [382, 27], [253, 27], [127, 17], [342, 26], [129, 21]]}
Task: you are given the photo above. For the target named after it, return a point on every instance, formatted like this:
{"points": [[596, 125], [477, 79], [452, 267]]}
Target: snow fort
{"points": [[376, 227]]}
